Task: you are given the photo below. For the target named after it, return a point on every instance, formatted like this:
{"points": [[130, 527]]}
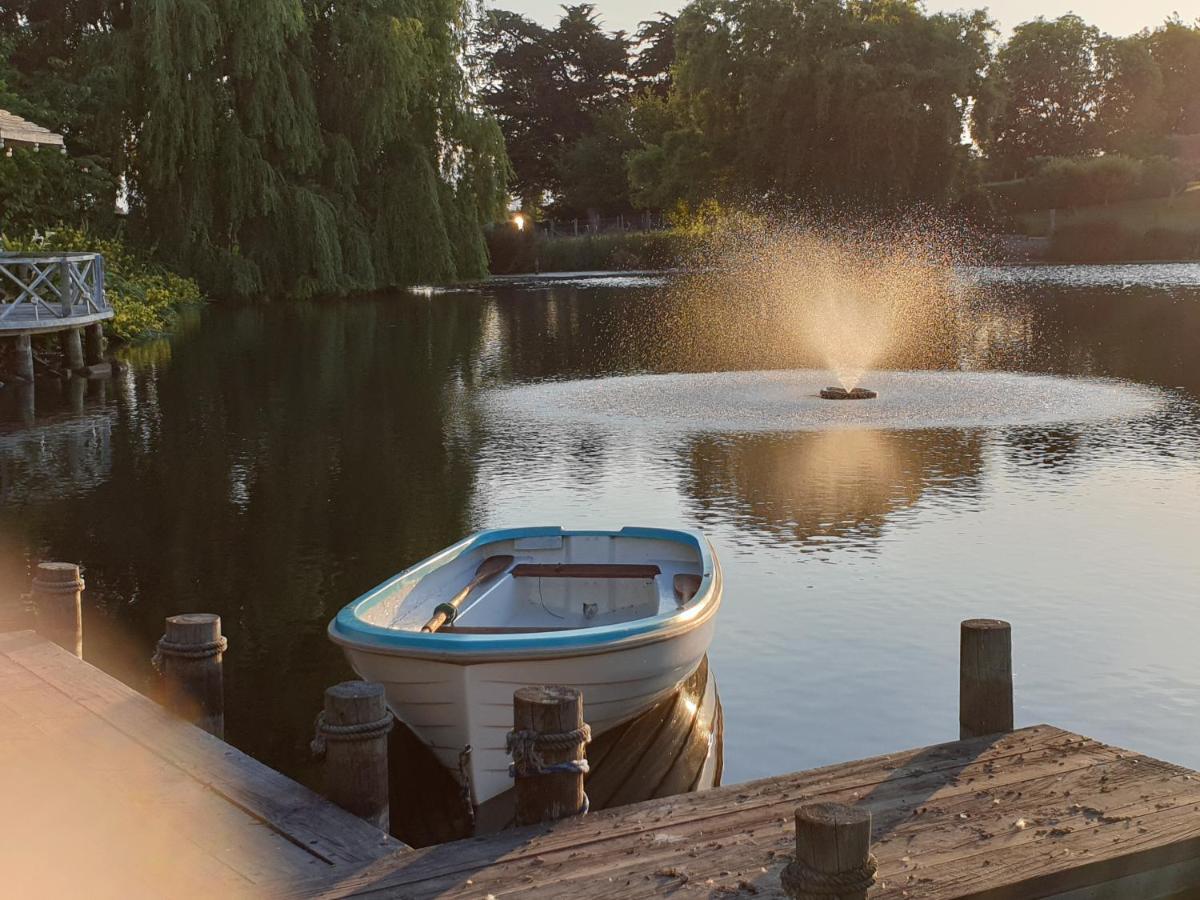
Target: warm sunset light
{"points": [[409, 412]]}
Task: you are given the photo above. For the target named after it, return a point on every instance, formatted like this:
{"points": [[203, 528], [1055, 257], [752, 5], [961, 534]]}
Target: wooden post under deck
{"points": [[94, 344], [23, 366], [72, 348]]}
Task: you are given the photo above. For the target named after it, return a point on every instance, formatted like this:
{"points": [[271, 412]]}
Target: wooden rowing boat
{"points": [[626, 616]]}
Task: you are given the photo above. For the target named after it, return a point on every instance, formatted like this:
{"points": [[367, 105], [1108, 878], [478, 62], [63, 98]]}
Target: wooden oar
{"points": [[488, 569]]}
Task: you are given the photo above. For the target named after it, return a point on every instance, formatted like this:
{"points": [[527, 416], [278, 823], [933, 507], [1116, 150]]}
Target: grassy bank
{"points": [[514, 252], [145, 297]]}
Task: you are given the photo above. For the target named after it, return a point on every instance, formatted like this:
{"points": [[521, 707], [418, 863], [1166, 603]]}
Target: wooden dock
{"points": [[103, 788], [105, 792], [1040, 812]]}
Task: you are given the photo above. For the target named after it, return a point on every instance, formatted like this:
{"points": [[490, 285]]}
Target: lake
{"points": [[271, 462]]}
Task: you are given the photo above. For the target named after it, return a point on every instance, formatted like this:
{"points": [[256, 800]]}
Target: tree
{"points": [[655, 55], [561, 97], [817, 98], [1129, 112], [1049, 86], [1176, 48], [287, 147], [593, 174], [519, 87]]}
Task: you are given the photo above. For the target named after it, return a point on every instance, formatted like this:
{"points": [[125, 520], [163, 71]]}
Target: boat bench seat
{"points": [[584, 570]]}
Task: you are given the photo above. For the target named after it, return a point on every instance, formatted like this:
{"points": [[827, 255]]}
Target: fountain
{"points": [[840, 393], [771, 311]]}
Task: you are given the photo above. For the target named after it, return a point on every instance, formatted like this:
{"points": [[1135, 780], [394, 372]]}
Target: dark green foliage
{"points": [[276, 147], [1176, 48], [515, 251], [1069, 183], [1129, 112], [815, 98], [1060, 88], [561, 98], [1047, 86], [655, 54]]}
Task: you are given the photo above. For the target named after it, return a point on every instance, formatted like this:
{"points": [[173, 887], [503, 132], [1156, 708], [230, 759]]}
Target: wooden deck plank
{"points": [[293, 810], [145, 804], [1088, 814]]}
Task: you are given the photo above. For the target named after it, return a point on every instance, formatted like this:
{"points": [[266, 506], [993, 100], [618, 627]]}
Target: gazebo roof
{"points": [[18, 132]]}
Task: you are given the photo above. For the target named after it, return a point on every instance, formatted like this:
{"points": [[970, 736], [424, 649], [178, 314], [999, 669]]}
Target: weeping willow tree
{"points": [[291, 147]]}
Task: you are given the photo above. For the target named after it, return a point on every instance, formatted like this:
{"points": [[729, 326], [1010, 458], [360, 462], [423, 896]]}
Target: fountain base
{"points": [[838, 393]]}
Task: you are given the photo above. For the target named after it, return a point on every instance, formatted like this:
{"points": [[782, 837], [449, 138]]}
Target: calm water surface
{"points": [[271, 463]]}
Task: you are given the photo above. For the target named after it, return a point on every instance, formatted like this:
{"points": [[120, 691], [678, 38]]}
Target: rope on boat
{"points": [[364, 731], [464, 781], [800, 878], [525, 749], [186, 651]]}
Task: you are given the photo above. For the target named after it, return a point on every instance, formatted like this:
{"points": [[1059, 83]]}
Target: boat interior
{"points": [[549, 583]]}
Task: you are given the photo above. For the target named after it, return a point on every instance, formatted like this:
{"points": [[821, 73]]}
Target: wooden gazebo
{"points": [[18, 132]]}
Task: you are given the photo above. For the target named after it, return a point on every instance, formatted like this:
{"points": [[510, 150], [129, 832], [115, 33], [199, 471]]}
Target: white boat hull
{"points": [[453, 706]]}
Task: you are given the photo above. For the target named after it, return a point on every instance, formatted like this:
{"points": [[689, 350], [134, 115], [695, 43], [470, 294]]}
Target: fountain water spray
{"points": [[847, 299]]}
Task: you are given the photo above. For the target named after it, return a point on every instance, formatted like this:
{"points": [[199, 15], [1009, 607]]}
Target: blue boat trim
{"points": [[349, 628]]}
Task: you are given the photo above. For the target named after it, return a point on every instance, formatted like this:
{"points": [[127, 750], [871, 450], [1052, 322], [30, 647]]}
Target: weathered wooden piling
{"points": [[27, 403], [352, 737], [190, 656], [58, 599], [23, 362], [985, 685], [94, 344], [833, 854], [76, 393], [72, 348], [547, 746]]}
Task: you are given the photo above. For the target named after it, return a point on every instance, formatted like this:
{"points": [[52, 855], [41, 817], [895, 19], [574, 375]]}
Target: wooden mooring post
{"points": [[352, 738], [985, 684], [547, 746], [190, 656], [833, 858], [58, 599]]}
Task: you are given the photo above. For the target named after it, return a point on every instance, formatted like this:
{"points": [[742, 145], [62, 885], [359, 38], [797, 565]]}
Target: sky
{"points": [[1116, 17]]}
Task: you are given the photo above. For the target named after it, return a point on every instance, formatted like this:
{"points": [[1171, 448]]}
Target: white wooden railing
{"points": [[48, 291]]}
